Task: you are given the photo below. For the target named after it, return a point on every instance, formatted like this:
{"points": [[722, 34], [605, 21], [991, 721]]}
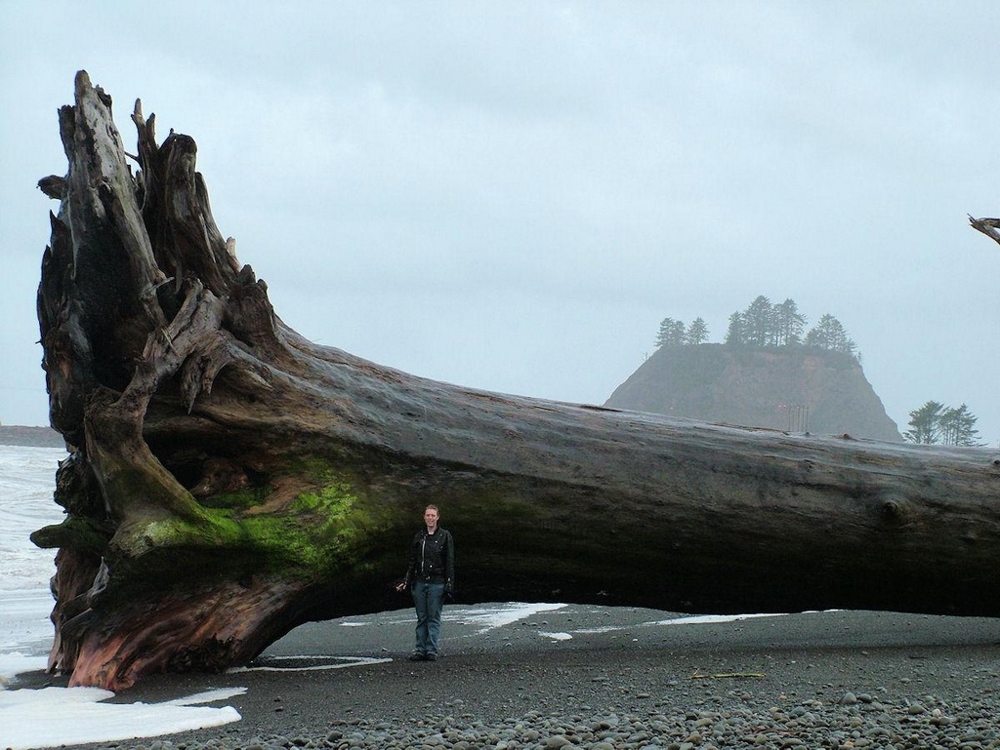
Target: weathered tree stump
{"points": [[229, 480]]}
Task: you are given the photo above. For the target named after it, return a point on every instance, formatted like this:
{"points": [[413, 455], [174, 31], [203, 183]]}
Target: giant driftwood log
{"points": [[229, 480]]}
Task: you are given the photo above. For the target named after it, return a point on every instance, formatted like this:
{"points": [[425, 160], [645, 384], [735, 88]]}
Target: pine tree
{"points": [[671, 333], [925, 424], [829, 334], [697, 332], [758, 322], [734, 334], [789, 323], [957, 427]]}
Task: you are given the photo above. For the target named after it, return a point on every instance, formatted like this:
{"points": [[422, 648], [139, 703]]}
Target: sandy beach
{"points": [[326, 683]]}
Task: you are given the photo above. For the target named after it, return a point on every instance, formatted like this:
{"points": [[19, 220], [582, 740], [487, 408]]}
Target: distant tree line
{"points": [[935, 423], [764, 324], [674, 332]]}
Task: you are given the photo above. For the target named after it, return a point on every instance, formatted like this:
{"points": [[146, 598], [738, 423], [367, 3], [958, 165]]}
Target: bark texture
{"points": [[229, 480]]}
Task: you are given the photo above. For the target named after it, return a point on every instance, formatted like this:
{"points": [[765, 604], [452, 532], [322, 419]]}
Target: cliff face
{"points": [[800, 389]]}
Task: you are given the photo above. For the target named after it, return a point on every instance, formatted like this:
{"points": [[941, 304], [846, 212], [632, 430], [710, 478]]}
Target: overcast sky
{"points": [[511, 196]]}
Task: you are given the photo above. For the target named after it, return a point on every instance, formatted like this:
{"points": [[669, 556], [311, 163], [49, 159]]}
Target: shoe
{"points": [[431, 657], [418, 657]]}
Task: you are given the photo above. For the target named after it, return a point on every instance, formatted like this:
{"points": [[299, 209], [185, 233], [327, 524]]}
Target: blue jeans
{"points": [[428, 599]]}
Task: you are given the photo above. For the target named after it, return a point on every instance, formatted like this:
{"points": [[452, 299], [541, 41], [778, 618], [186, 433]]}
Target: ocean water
{"points": [[27, 481], [60, 716]]}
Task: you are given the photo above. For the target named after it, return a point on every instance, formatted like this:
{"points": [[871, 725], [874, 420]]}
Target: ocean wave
{"points": [[27, 481]]}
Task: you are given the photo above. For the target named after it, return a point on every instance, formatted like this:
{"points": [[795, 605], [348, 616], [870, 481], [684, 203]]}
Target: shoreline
{"points": [[577, 667]]}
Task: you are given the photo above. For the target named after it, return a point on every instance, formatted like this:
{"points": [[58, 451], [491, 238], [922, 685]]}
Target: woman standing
{"points": [[430, 577]]}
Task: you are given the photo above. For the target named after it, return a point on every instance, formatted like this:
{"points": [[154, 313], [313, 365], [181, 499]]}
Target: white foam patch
{"points": [[600, 629], [75, 716], [319, 663], [557, 636], [713, 619], [498, 616], [692, 620], [16, 663], [207, 696]]}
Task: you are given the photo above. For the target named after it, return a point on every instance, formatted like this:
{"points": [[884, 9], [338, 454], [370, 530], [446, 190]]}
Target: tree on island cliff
{"points": [[934, 423], [671, 333], [697, 332]]}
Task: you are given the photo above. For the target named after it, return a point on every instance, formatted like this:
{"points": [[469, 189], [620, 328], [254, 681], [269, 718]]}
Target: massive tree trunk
{"points": [[229, 480]]}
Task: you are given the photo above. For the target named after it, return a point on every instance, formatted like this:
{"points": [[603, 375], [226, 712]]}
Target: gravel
{"points": [[832, 680], [861, 721]]}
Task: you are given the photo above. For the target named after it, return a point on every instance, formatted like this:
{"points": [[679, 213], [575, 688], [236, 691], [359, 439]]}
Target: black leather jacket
{"points": [[432, 558]]}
